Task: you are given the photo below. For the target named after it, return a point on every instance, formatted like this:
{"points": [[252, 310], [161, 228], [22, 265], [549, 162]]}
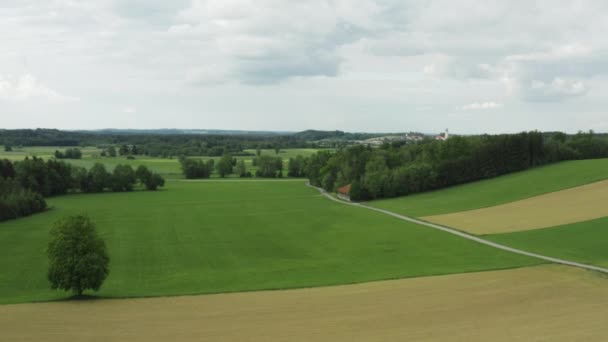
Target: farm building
{"points": [[344, 193]]}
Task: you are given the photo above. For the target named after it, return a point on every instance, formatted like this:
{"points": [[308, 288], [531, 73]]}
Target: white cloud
{"points": [[556, 89], [129, 110], [26, 87], [482, 105]]}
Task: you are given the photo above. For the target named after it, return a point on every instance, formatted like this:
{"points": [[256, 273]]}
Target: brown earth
{"points": [[545, 303], [578, 204]]}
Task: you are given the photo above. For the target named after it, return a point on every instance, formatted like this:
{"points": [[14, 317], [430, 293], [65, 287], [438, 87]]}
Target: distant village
{"points": [[407, 137]]}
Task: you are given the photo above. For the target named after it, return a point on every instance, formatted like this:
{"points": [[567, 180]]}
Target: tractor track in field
{"points": [[463, 234]]}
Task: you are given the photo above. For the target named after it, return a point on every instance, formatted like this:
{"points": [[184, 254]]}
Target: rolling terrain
{"points": [[206, 237], [499, 190]]}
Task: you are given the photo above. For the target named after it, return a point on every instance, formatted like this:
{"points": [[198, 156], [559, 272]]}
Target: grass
{"points": [[572, 205], [207, 237], [584, 242], [168, 167], [547, 303], [499, 190]]}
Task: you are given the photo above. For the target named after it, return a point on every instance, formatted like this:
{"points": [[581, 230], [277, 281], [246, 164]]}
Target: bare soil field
{"points": [[544, 303], [578, 204]]}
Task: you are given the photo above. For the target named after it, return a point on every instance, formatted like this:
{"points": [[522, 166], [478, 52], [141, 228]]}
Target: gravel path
{"points": [[464, 235]]}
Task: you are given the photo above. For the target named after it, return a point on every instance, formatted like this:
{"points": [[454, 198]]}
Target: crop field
{"points": [[545, 303], [499, 190], [584, 242], [210, 236], [168, 167], [577, 204]]}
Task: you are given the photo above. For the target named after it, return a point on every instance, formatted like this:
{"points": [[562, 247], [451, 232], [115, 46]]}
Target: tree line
{"points": [[155, 144], [25, 184], [400, 169], [267, 167]]}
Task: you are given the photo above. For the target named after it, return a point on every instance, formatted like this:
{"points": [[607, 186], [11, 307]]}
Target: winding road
{"points": [[463, 235]]}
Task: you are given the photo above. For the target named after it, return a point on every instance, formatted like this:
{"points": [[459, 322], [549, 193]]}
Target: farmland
{"points": [[584, 242], [500, 190], [542, 211], [209, 236], [545, 303], [168, 167]]}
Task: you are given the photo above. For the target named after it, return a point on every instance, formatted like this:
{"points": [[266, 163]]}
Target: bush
{"points": [[78, 260]]}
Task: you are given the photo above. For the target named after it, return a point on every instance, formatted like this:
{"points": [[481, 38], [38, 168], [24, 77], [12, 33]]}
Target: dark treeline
{"points": [[70, 153], [24, 184], [267, 167], [156, 145], [400, 169]]}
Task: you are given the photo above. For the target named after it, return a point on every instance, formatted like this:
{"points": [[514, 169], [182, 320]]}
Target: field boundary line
{"points": [[462, 234]]}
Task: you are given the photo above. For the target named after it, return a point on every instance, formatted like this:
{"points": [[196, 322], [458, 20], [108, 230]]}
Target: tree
{"points": [[224, 166], [123, 150], [241, 169], [78, 259], [196, 168], [98, 178], [8, 148], [149, 179], [123, 178], [112, 151]]}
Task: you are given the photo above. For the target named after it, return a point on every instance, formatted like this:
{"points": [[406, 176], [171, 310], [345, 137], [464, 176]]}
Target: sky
{"points": [[355, 65]]}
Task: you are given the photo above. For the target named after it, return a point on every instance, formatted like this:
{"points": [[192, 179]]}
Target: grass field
{"points": [[545, 303], [573, 205], [499, 190], [205, 237], [583, 242], [168, 167]]}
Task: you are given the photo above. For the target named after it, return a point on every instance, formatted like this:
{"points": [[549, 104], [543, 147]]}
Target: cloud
{"points": [[129, 110], [270, 41], [482, 105], [557, 89], [27, 87]]}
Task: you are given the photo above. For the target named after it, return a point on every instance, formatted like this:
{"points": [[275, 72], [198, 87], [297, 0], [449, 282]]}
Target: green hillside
{"points": [[499, 190], [204, 237]]}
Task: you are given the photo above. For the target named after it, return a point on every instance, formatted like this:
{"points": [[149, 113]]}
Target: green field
{"points": [[584, 242], [499, 190], [204, 237], [168, 167]]}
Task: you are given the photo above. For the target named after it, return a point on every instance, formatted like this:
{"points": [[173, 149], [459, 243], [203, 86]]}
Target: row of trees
{"points": [[24, 184], [156, 143], [70, 153], [267, 167], [401, 169], [16, 201]]}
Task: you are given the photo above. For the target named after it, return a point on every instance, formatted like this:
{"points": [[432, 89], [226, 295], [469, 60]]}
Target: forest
{"points": [[400, 169]]}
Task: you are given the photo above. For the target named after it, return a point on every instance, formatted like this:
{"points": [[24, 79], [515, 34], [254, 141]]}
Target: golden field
{"points": [[544, 303], [577, 204]]}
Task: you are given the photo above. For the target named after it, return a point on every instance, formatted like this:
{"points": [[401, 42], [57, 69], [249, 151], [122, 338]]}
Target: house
{"points": [[443, 136], [343, 193]]}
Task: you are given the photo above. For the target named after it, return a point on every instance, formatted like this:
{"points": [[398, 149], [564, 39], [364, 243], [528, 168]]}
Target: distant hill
{"points": [[177, 131], [314, 135]]}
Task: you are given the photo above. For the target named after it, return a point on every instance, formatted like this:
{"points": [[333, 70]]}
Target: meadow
{"points": [[168, 167], [210, 236], [499, 190], [584, 242]]}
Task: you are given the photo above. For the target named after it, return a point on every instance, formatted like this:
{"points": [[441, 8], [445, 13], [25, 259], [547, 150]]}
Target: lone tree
{"points": [[78, 260]]}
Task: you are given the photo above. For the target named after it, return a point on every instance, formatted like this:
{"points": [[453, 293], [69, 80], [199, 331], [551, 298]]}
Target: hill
{"points": [[499, 190]]}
